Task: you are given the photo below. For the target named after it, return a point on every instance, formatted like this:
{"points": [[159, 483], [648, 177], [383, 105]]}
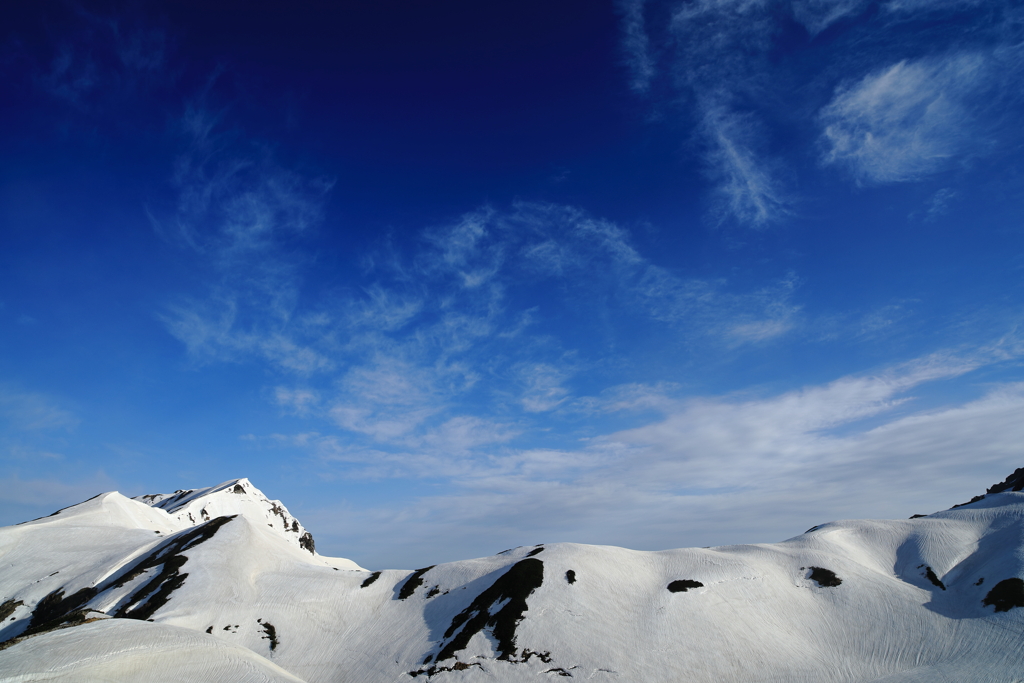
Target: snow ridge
{"points": [[213, 585]]}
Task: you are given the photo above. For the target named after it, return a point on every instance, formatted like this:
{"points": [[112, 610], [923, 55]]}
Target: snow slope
{"points": [[234, 595]]}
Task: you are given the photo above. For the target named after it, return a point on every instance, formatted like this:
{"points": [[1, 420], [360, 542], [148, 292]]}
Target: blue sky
{"points": [[454, 278]]}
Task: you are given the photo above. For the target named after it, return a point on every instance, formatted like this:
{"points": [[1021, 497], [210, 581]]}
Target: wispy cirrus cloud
{"points": [[451, 341], [748, 184], [907, 120], [720, 469], [886, 98], [242, 213]]}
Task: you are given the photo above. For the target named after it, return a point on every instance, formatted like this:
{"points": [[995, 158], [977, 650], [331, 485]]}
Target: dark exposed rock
{"points": [[542, 656], [55, 609], [512, 588], [457, 666], [972, 500], [271, 632], [917, 516], [933, 578], [370, 579], [306, 542], [1006, 595], [536, 551], [414, 581], [237, 488], [1014, 482], [825, 578], [570, 576], [157, 591], [684, 585]]}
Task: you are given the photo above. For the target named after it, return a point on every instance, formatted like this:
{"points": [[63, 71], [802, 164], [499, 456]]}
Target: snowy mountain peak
{"points": [[233, 497], [100, 591]]}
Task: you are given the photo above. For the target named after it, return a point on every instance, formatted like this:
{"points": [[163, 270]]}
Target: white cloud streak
{"points": [[721, 470], [748, 187], [903, 101], [906, 121]]}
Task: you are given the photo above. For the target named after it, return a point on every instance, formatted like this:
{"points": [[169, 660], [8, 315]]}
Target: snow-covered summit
{"points": [[233, 597], [234, 497]]}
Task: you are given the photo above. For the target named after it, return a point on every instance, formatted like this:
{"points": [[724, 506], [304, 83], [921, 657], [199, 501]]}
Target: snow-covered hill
{"points": [[219, 584]]}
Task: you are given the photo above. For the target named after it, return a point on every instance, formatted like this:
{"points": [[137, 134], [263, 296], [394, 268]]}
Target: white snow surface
{"points": [[236, 598]]}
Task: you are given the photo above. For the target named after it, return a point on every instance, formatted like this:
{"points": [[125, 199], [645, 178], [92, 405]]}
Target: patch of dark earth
{"points": [[414, 581], [8, 607], [1006, 595], [684, 585], [570, 576], [826, 578], [511, 588], [370, 579]]}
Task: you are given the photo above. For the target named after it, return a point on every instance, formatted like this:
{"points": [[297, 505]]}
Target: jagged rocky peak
{"points": [[1014, 482], [234, 497]]}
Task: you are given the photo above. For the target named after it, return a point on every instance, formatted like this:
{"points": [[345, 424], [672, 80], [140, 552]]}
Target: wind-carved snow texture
{"points": [[511, 588], [57, 609], [157, 591], [932, 598]]}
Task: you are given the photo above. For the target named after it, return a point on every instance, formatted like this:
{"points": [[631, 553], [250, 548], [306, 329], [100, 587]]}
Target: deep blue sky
{"points": [[451, 277]]}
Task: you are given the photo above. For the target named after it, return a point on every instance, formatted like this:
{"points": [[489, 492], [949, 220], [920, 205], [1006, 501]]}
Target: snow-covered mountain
{"points": [[222, 584]]}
